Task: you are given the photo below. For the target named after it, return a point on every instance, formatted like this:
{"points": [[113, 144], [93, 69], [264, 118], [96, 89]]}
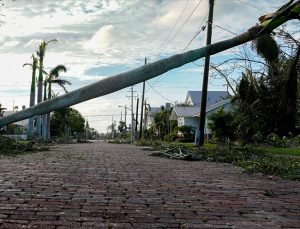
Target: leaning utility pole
{"points": [[205, 76], [142, 105]]}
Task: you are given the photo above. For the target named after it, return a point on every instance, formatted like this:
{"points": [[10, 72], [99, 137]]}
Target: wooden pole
{"points": [[205, 76], [142, 107]]}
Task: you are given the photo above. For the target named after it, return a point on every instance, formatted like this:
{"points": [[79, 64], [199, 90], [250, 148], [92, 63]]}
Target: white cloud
{"points": [[102, 40], [10, 44], [33, 43]]}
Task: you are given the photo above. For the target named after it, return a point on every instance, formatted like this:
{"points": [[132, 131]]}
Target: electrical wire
{"points": [[199, 30], [227, 30], [100, 115], [159, 93], [184, 23], [167, 37], [247, 4]]}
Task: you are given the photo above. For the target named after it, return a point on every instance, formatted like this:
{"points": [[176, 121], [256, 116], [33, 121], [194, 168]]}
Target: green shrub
{"points": [[170, 137], [274, 140], [221, 124]]}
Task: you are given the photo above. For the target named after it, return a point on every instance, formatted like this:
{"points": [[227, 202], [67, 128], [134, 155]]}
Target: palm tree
{"points": [[41, 55], [53, 79], [32, 93], [141, 74]]}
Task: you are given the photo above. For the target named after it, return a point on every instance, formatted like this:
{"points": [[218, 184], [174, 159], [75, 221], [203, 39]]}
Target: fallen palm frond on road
{"points": [[11, 147], [250, 159]]}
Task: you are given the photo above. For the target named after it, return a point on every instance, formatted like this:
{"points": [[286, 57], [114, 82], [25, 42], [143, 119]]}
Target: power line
{"points": [[159, 93], [167, 37], [184, 23], [247, 4], [199, 30], [227, 30], [100, 115]]}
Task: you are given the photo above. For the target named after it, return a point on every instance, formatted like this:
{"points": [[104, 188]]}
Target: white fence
{"points": [[21, 137]]}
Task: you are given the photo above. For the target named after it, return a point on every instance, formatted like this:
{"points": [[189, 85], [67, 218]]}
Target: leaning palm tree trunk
{"points": [[135, 76]]}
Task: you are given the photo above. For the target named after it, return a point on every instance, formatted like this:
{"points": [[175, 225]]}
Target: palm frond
{"points": [[43, 46], [52, 40], [27, 64], [54, 95], [287, 11], [45, 73], [55, 71], [61, 83]]}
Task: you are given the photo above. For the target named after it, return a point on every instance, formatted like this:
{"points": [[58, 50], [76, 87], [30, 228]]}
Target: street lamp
{"points": [[125, 112], [125, 107]]}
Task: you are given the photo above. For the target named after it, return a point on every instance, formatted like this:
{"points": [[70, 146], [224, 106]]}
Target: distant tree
{"points": [[67, 118], [76, 121], [161, 122], [92, 134], [122, 127]]}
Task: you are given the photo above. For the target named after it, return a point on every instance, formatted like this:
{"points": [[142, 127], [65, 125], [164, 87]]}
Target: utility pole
{"points": [[125, 117], [132, 114], [205, 76], [132, 136], [112, 127], [142, 105], [86, 129], [137, 117]]}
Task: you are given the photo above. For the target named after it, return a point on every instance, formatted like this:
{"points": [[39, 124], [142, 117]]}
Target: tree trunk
{"points": [[48, 115], [44, 123], [126, 79], [32, 100], [40, 97]]}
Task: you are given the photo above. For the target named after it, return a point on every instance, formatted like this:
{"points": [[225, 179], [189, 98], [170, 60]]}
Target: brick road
{"points": [[102, 185]]}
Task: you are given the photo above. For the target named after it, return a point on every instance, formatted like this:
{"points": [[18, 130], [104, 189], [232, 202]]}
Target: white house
{"points": [[189, 113]]}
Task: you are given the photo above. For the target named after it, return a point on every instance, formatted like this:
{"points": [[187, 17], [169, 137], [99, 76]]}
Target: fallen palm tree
{"points": [[141, 74]]}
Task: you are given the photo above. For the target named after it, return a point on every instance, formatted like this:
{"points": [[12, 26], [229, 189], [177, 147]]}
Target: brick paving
{"points": [[102, 185]]}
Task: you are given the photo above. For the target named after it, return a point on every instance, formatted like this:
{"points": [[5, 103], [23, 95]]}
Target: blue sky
{"points": [[105, 37]]}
